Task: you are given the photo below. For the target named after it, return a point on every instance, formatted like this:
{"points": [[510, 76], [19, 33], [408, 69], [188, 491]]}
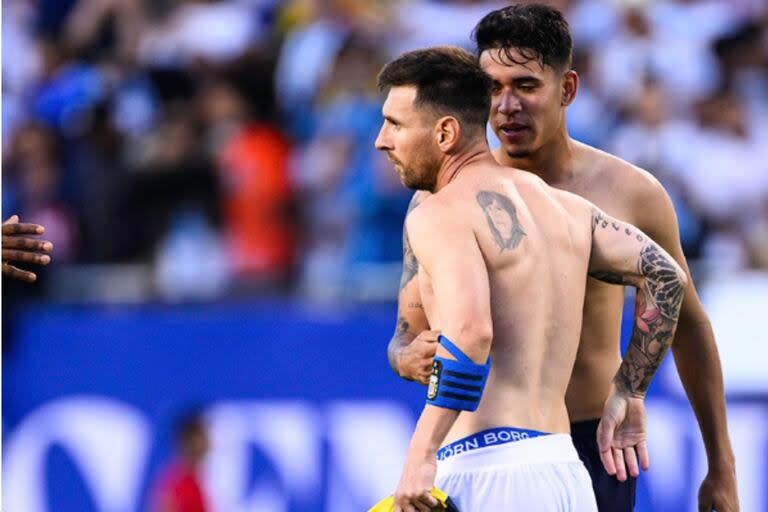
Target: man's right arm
{"points": [[622, 254], [412, 347]]}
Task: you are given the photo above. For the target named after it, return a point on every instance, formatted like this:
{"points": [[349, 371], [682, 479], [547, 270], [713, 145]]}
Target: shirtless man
{"points": [[526, 49], [502, 268]]}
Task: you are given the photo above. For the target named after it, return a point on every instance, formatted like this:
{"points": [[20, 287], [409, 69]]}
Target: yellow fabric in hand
{"points": [[388, 503]]}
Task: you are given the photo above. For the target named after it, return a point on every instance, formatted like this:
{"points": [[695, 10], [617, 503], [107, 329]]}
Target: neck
{"points": [[454, 164], [551, 162]]}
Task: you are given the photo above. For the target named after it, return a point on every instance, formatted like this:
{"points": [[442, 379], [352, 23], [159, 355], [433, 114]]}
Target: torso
{"points": [[607, 182], [536, 289]]}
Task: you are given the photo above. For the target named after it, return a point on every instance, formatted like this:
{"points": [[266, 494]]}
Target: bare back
{"points": [[535, 243], [629, 194]]}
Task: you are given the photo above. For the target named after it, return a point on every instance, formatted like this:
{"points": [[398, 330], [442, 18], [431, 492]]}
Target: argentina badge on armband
{"points": [[434, 379]]}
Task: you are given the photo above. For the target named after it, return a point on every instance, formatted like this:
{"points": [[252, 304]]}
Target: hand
{"points": [[621, 435], [20, 248], [414, 492], [414, 361], [718, 491]]}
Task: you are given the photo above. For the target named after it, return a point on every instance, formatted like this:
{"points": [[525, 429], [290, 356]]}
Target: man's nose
{"points": [[509, 104], [382, 144]]}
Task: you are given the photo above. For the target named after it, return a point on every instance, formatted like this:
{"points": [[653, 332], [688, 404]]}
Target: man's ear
{"points": [[447, 133], [570, 87]]}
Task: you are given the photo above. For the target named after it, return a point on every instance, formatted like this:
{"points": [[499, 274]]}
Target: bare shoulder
{"points": [[418, 197], [425, 211], [648, 204], [638, 185]]}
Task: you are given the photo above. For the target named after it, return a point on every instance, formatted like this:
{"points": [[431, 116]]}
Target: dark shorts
{"points": [[612, 495]]}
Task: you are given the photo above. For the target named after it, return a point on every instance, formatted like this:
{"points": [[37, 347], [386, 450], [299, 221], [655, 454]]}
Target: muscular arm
{"points": [[448, 252], [696, 356], [622, 254], [411, 319]]}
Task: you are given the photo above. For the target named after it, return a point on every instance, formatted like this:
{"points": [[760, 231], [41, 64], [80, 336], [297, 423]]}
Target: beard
{"points": [[519, 153], [421, 174]]}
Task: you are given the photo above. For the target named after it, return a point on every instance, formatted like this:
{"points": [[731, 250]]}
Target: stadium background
{"points": [[228, 239]]}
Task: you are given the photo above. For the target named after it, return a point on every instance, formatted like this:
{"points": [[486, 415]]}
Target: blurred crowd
{"points": [[223, 146]]}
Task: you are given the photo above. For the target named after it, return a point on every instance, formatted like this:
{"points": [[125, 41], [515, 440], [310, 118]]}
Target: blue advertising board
{"points": [[303, 411]]}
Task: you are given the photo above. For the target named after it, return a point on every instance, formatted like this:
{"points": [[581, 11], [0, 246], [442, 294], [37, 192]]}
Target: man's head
{"points": [[192, 437], [526, 50], [437, 103]]}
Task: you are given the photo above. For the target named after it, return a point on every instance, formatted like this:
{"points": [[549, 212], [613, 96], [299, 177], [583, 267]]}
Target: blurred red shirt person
{"points": [[179, 488]]}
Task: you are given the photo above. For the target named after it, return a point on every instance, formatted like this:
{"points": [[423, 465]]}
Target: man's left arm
{"points": [[697, 360], [447, 251]]}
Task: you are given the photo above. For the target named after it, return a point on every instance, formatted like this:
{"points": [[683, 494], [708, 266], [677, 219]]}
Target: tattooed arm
{"points": [[412, 347], [446, 246], [622, 254]]}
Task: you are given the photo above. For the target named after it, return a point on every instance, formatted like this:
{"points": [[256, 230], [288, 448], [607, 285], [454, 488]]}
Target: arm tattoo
{"points": [[599, 219], [608, 277], [402, 326], [410, 263], [501, 215], [393, 348], [656, 313]]}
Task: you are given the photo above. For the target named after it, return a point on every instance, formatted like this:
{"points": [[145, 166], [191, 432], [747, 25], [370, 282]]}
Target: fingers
{"points": [[631, 457], [642, 453], [12, 220], [17, 273], [606, 458], [26, 257], [429, 336], [423, 502], [421, 507], [32, 244], [428, 501], [17, 228], [621, 468], [605, 430]]}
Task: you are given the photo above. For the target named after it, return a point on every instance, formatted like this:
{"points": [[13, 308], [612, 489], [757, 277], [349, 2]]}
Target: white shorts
{"points": [[539, 474]]}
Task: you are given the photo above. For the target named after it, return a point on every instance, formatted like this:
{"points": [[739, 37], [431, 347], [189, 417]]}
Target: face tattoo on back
{"points": [[501, 215]]}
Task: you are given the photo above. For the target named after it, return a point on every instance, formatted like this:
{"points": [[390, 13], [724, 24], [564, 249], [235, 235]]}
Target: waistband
{"points": [[545, 449], [490, 437], [586, 428]]}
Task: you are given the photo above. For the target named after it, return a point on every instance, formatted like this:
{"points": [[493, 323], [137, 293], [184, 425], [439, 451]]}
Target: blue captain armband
{"points": [[456, 384]]}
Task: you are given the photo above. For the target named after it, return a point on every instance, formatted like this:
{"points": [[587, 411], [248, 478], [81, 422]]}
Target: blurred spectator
{"points": [[424, 23], [236, 135], [353, 205], [178, 487], [33, 181], [230, 27]]}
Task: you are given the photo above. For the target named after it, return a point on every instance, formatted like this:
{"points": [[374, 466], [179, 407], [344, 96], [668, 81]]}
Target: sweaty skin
{"points": [[534, 97]]}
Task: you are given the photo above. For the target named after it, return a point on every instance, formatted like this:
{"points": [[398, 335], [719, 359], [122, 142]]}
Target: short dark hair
{"points": [[448, 79], [539, 32], [188, 425]]}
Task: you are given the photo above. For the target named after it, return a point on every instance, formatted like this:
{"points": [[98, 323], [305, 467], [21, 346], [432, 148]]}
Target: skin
{"points": [[19, 247], [535, 97], [521, 247]]}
